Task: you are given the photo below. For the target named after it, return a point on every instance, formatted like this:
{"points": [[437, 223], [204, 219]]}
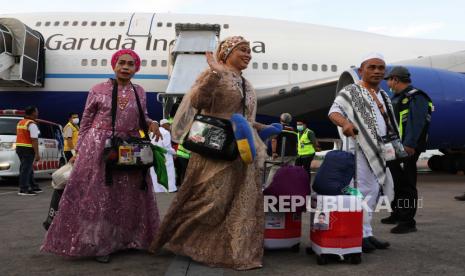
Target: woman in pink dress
{"points": [[96, 219]]}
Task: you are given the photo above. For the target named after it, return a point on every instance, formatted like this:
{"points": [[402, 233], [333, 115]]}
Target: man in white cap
{"points": [[360, 110], [166, 144]]}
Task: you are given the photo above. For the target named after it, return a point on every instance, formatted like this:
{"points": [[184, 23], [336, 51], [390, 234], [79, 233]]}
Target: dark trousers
{"points": [[306, 162], [26, 172], [405, 202], [180, 165], [68, 155]]}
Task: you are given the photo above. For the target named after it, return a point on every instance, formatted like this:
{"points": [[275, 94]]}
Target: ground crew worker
{"points": [[278, 146], [307, 146], [71, 133], [412, 108], [27, 149]]}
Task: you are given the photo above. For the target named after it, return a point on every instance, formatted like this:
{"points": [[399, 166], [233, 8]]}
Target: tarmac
{"points": [[438, 248]]}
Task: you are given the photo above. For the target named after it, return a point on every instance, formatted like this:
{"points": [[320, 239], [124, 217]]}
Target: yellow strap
{"points": [[24, 145]]}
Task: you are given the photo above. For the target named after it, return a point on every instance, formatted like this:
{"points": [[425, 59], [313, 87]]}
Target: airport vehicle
{"points": [[51, 60], [50, 146]]}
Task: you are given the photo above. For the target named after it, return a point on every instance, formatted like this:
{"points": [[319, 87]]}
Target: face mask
{"points": [[300, 128], [75, 121]]}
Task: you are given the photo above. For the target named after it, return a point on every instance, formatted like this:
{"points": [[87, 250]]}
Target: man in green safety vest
{"points": [[307, 146], [413, 109]]}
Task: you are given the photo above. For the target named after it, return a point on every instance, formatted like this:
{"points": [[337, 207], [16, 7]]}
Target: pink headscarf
{"points": [[117, 54]]}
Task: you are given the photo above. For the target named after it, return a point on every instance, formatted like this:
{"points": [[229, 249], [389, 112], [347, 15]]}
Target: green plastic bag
{"points": [[159, 165], [353, 191]]}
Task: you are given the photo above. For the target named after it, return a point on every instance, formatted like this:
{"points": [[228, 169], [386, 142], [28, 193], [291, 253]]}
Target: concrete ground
{"points": [[438, 248]]}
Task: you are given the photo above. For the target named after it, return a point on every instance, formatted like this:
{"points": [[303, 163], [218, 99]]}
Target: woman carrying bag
{"points": [[217, 215], [105, 209]]}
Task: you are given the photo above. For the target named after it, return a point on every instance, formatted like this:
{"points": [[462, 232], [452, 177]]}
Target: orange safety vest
{"points": [[23, 135]]}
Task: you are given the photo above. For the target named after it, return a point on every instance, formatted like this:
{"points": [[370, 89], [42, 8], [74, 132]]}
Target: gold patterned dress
{"points": [[217, 215]]}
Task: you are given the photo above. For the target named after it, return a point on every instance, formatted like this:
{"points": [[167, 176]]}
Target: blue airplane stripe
{"points": [[103, 76]]}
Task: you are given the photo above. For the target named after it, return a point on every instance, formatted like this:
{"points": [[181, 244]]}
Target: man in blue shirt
{"points": [[412, 108]]}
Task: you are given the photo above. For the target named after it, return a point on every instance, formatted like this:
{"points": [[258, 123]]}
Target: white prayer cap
{"points": [[372, 55], [164, 121]]}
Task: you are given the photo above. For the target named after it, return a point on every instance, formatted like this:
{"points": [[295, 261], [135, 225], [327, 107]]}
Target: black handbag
{"points": [[213, 137], [133, 153]]}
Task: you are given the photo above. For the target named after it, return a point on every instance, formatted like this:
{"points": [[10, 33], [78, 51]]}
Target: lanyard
{"points": [[381, 108]]}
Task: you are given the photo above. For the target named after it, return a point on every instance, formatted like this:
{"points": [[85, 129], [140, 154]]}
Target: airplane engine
{"points": [[446, 133]]}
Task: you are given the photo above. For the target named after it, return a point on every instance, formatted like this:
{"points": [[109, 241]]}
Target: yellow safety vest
{"points": [[305, 144], [74, 137]]}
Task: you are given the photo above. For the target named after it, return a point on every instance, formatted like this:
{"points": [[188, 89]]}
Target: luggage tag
{"points": [[275, 220], [320, 221], [125, 155], [389, 151]]}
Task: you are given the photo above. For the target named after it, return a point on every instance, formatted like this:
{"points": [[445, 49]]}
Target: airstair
{"points": [[188, 60], [22, 55]]}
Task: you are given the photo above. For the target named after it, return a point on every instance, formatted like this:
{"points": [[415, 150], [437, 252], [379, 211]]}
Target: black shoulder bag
{"points": [[134, 153], [213, 137]]}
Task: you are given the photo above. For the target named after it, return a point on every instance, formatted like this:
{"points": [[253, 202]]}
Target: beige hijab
{"points": [[185, 114]]}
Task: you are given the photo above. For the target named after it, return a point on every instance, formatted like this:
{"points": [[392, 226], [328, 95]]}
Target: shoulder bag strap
{"points": [[244, 95], [142, 122], [114, 102]]}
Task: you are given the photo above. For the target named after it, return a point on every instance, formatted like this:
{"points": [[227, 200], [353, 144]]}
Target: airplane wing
{"points": [[306, 100]]}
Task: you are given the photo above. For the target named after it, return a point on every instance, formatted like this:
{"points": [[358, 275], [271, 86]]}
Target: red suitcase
{"points": [[343, 233], [283, 231]]}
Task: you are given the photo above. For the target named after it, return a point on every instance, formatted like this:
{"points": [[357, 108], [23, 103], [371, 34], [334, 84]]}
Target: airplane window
{"points": [[75, 23], [66, 23], [255, 65], [265, 65], [284, 66], [93, 23], [84, 23], [103, 62], [275, 66], [112, 23], [304, 67], [315, 67], [56, 23], [164, 63], [143, 63], [334, 68], [47, 23], [324, 67], [159, 24], [84, 62], [295, 67], [169, 24], [94, 62], [226, 26], [153, 63], [103, 23], [38, 24], [122, 23]]}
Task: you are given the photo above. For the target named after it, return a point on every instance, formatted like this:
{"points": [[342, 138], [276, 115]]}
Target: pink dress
{"points": [[95, 219]]}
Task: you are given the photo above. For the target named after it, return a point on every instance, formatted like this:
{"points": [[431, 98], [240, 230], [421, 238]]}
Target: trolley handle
{"points": [[357, 147]]}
